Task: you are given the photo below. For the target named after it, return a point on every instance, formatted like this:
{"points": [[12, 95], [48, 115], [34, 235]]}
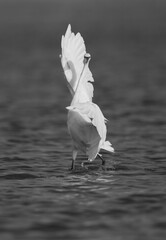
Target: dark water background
{"points": [[39, 197]]}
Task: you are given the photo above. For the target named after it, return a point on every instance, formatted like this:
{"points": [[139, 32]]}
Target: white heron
{"points": [[86, 123]]}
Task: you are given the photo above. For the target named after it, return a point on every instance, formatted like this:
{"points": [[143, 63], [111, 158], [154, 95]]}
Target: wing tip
{"points": [[68, 28], [108, 147]]}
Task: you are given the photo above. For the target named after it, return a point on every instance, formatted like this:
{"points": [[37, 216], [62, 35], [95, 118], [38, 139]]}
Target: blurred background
{"points": [[40, 197]]}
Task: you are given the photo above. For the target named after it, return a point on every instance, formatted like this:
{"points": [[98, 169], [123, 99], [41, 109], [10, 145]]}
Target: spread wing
{"points": [[72, 59]]}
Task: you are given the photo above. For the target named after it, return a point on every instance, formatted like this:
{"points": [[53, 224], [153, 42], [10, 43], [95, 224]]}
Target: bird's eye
{"points": [[90, 82]]}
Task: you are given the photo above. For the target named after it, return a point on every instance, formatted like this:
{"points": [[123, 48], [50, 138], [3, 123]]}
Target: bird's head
{"points": [[87, 58]]}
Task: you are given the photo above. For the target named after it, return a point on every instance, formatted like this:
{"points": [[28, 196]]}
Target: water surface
{"points": [[40, 198]]}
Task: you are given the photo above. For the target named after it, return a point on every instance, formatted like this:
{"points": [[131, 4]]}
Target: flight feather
{"points": [[73, 63]]}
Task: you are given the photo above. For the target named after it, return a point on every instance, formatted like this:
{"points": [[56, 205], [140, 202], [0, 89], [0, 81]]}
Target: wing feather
{"points": [[92, 113], [73, 51], [72, 59]]}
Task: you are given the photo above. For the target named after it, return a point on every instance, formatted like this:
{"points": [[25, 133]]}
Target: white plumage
{"points": [[86, 123]]}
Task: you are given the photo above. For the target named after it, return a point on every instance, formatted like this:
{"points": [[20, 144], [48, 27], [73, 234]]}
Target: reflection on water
{"points": [[40, 197]]}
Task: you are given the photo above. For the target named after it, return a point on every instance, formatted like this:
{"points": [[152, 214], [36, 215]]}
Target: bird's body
{"points": [[84, 134], [86, 123]]}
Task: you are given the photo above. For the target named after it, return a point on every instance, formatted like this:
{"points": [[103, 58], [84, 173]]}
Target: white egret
{"points": [[86, 123]]}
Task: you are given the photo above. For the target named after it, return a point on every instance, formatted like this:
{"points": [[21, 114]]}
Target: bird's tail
{"points": [[107, 146]]}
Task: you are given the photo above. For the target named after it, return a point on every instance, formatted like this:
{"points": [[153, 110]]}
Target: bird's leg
{"points": [[100, 156], [74, 158]]}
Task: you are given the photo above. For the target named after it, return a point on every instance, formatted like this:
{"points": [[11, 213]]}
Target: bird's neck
{"points": [[80, 96]]}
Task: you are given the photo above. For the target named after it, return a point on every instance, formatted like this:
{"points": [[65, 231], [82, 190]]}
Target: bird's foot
{"points": [[103, 167], [84, 164]]}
